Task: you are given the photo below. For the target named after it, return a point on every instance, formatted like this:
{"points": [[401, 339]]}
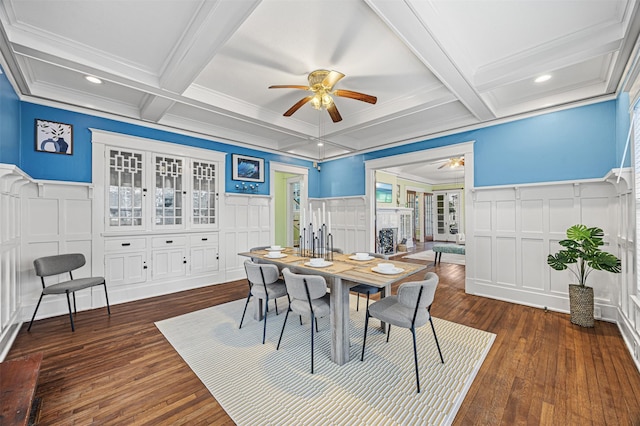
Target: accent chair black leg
{"points": [[282, 332], [313, 319], [106, 296], [364, 339], [70, 313], [245, 308], [415, 357], [436, 337], [264, 326], [34, 312]]}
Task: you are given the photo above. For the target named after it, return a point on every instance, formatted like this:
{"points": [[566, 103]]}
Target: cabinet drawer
{"points": [[204, 239], [120, 244], [168, 241]]}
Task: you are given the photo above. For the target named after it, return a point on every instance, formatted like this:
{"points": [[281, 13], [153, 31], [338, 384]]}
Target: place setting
{"points": [[275, 252], [362, 257], [387, 269]]}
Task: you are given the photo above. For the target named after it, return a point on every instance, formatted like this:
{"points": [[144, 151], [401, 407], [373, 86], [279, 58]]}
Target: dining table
{"points": [[341, 271]]}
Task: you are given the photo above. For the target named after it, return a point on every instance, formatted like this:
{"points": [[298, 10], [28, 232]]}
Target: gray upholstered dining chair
{"points": [[366, 288], [264, 283], [409, 309], [61, 264], [258, 249], [308, 297]]}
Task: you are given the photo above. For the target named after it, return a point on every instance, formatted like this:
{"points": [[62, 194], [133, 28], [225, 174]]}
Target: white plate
{"points": [[270, 256], [387, 271], [322, 265], [357, 258]]}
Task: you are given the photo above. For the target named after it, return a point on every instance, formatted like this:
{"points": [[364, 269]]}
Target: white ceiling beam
{"points": [[412, 30], [213, 24]]}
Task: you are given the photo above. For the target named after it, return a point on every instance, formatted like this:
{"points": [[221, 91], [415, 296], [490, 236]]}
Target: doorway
{"points": [[288, 185]]}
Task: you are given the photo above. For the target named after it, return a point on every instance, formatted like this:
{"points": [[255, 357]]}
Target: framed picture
{"points": [[54, 137], [247, 168]]}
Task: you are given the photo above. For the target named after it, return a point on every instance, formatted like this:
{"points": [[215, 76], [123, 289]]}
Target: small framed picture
{"points": [[247, 168], [54, 137]]}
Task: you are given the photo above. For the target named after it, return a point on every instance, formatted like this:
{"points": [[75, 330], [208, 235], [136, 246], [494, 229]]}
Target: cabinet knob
{"points": [[169, 241], [126, 244], [205, 239]]}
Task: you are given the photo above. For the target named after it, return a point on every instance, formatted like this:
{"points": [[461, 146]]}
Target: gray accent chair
{"points": [[308, 297], [60, 264], [366, 288], [409, 309], [264, 283]]}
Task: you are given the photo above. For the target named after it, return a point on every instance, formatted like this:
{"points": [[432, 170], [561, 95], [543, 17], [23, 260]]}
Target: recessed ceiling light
{"points": [[542, 78], [92, 79], [320, 144]]}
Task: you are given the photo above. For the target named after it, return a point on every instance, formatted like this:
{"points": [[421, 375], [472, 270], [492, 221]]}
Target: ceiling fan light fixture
{"points": [[316, 102]]}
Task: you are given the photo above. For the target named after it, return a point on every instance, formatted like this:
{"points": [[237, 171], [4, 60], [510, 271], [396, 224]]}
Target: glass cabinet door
{"points": [[205, 192], [440, 214], [168, 190], [125, 197], [454, 209]]}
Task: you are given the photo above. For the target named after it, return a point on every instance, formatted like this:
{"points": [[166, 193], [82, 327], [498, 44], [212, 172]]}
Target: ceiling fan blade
{"points": [[289, 86], [333, 112], [356, 95], [297, 106], [444, 165], [331, 79]]}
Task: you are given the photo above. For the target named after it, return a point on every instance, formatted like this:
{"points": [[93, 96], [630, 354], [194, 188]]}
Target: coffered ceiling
{"points": [[205, 66]]}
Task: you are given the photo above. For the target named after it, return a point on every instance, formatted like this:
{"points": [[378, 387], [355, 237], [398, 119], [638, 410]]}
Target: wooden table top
{"points": [[357, 271]]}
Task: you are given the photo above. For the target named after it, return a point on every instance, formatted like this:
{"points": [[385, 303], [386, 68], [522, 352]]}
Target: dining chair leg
{"points": [[75, 308], [415, 357], [367, 300], [358, 302], [264, 326], [364, 340], [436, 337], [316, 321], [34, 312], [388, 332], [283, 325], [245, 308], [70, 313], [313, 319], [275, 301]]}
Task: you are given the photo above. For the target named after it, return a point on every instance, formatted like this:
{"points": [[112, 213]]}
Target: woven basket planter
{"points": [[581, 305]]}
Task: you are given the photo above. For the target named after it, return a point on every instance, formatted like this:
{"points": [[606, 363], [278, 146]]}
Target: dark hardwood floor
{"points": [[540, 370]]}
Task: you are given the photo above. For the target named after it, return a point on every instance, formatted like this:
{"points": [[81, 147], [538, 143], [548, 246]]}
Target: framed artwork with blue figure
{"points": [[247, 168], [54, 137]]}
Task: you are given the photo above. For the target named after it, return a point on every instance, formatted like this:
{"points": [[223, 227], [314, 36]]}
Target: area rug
{"points": [[430, 255], [257, 385]]}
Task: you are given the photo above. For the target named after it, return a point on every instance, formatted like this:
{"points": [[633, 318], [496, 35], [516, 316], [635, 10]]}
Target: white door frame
{"points": [[290, 215], [416, 157], [304, 188]]}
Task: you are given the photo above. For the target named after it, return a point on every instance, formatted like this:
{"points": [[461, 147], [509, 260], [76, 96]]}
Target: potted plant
{"points": [[582, 248]]}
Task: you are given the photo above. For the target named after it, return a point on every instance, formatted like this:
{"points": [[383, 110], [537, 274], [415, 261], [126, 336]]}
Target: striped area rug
{"points": [[257, 385]]}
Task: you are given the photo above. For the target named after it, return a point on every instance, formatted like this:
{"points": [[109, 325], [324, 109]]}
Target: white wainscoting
{"points": [[246, 224], [11, 181], [512, 230], [348, 221]]}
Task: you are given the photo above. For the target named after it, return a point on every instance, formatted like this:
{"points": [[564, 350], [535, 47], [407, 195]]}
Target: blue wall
{"points": [[578, 143], [9, 122], [623, 121], [77, 167]]}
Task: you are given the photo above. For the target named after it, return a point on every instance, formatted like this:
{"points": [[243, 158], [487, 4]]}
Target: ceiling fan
{"points": [[452, 163], [321, 83]]}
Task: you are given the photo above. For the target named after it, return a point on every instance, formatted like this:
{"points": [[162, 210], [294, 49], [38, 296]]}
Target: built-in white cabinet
{"points": [[159, 215], [447, 215]]}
